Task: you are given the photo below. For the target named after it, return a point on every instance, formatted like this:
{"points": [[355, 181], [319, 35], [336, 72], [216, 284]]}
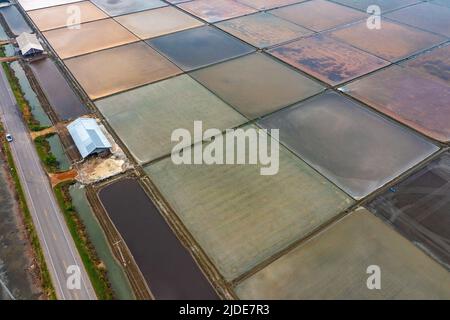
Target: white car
{"points": [[9, 138]]}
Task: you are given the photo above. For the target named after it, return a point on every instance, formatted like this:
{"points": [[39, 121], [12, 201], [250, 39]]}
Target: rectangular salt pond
{"points": [[199, 47], [157, 22], [105, 72], [120, 7], [385, 5], [168, 268], [116, 275], [60, 16], [37, 111], [328, 60], [33, 4], [263, 29], [419, 207], [90, 37], [256, 84], [426, 16], [241, 218], [15, 21], [59, 94], [145, 118], [392, 42], [318, 15], [402, 94], [333, 265], [352, 146], [434, 64], [267, 4], [217, 10]]}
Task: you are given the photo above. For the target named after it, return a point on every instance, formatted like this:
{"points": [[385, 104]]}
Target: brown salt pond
{"points": [[359, 150], [105, 72], [256, 84], [90, 37], [333, 265], [426, 16], [385, 5], [263, 30], [59, 94], [419, 207], [33, 4], [119, 7], [402, 94], [434, 64], [267, 4], [217, 10], [157, 22], [392, 42], [331, 61], [318, 15], [59, 16], [167, 266]]}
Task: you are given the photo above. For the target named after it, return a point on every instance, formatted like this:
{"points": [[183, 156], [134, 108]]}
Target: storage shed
{"points": [[29, 44], [88, 137]]}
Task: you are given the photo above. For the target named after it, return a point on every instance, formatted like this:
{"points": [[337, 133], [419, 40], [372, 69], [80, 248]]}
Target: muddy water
{"points": [[167, 266], [3, 35], [116, 275], [15, 20], [15, 279], [419, 208], [36, 107], [60, 95], [328, 60], [57, 150], [213, 11], [199, 47]]}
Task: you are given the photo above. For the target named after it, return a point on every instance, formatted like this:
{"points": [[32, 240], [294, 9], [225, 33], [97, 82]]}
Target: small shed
{"points": [[88, 137], [29, 44]]}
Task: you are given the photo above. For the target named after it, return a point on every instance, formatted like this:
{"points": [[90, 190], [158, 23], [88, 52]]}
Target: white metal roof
{"points": [[88, 136], [28, 42]]}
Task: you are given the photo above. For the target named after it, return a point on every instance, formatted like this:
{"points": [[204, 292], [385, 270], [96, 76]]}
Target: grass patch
{"points": [[94, 267], [45, 154], [32, 235], [23, 104]]}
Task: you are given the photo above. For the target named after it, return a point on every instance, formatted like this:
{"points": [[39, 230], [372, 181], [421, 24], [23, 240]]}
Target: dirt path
{"points": [[57, 178], [36, 134]]}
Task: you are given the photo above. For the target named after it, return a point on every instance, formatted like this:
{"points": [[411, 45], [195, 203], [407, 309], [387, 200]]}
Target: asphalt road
{"points": [[56, 242]]}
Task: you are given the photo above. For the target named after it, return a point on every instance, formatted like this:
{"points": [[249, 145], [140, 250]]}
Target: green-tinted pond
{"points": [[116, 275], [56, 148], [36, 107]]}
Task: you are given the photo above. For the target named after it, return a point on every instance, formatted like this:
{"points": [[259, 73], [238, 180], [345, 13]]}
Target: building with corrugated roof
{"points": [[88, 137], [29, 44]]}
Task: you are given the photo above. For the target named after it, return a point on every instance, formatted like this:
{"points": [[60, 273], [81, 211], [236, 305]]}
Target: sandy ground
{"points": [[98, 168]]}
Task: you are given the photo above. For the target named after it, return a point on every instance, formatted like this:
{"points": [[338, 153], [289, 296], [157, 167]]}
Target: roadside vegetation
{"points": [[25, 108], [28, 221], [45, 153], [94, 266]]}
